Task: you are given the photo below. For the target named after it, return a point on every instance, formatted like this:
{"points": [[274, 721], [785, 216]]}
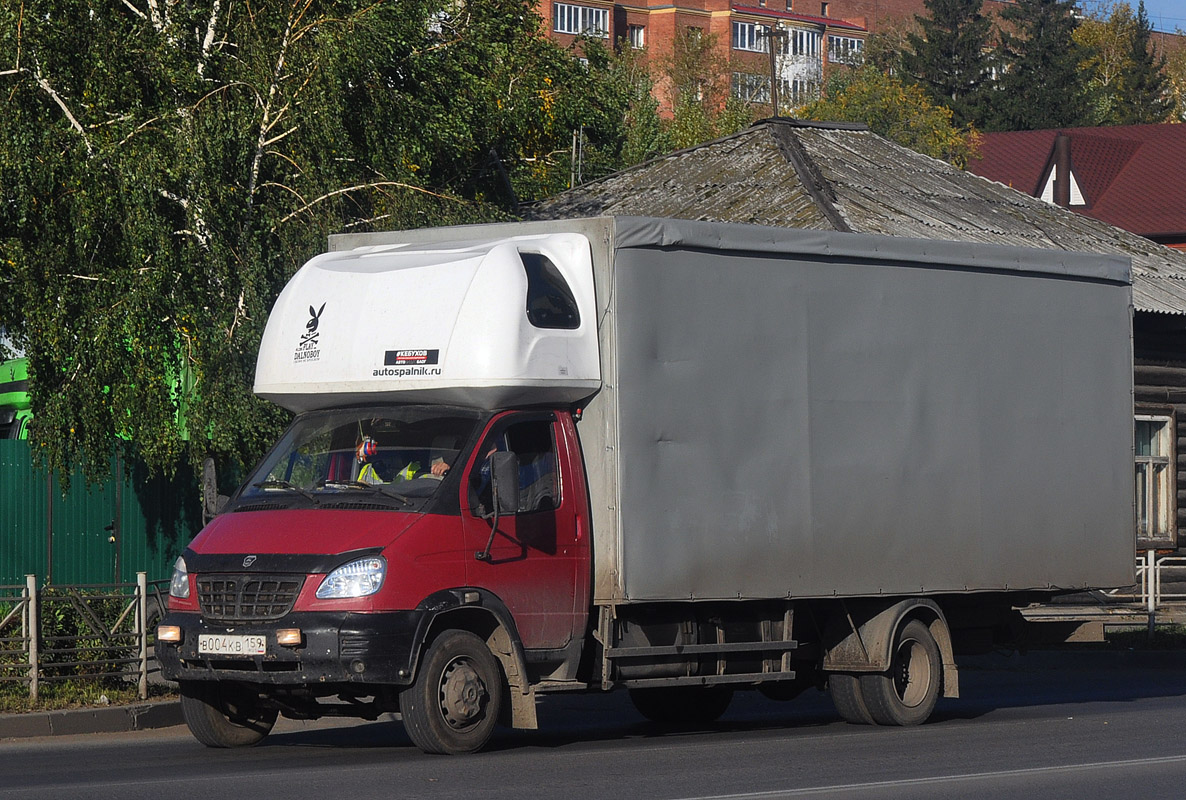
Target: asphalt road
{"points": [[1089, 732]]}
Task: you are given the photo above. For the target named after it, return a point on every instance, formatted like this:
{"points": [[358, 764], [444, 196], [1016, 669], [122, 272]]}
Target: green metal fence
{"points": [[91, 534]]}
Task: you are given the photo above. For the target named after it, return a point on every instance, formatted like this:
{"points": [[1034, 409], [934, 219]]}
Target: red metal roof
{"points": [[1133, 177], [830, 22]]}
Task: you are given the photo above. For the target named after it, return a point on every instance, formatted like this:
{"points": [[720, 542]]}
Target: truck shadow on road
{"points": [[987, 688]]}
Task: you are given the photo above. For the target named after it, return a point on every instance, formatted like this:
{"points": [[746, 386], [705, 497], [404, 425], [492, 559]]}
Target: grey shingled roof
{"points": [[832, 176]]}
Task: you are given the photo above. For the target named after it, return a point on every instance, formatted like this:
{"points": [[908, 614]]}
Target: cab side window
{"points": [[531, 441]]}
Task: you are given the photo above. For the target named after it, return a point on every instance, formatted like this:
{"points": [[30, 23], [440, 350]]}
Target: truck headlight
{"points": [[179, 585], [358, 578]]}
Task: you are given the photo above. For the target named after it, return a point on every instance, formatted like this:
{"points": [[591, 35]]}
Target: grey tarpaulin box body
{"points": [[789, 413]]}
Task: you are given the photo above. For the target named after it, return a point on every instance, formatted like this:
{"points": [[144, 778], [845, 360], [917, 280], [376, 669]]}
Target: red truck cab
{"points": [[363, 532]]}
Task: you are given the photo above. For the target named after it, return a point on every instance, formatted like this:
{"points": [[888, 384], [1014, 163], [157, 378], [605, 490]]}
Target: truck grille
{"points": [[247, 598]]}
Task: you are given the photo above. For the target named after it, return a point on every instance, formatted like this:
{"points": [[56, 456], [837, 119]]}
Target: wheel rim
{"points": [[462, 694], [912, 673]]}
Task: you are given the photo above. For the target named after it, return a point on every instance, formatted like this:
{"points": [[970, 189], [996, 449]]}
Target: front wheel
{"points": [[454, 703], [907, 693], [225, 715]]}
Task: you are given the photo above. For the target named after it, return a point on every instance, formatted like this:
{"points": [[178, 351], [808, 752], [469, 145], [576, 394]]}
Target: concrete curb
{"points": [[108, 719]]}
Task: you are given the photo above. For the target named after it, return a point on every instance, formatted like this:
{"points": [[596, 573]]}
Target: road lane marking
{"points": [[973, 776]]}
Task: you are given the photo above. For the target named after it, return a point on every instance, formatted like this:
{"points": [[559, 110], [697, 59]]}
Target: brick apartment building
{"points": [[808, 38], [811, 35]]}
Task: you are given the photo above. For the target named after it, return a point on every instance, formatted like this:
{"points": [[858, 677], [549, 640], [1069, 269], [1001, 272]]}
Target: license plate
{"points": [[232, 646]]}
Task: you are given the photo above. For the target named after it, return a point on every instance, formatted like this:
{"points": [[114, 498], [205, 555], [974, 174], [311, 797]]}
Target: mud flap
{"points": [[522, 694]]}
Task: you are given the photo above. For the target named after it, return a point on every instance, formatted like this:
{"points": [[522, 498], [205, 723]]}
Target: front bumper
{"points": [[378, 648]]}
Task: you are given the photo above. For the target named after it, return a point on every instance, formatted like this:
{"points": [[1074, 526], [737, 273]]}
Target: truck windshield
{"points": [[387, 452]]}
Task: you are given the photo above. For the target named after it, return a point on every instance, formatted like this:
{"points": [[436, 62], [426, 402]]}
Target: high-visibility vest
{"points": [[368, 475], [408, 472]]}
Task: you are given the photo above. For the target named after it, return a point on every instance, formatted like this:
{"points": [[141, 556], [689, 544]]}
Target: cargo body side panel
{"points": [[812, 426]]}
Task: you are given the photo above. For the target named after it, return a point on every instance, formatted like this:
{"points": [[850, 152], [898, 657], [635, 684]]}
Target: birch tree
{"points": [[166, 165]]}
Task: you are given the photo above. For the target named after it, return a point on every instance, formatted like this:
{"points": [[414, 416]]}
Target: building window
{"points": [[1154, 449], [579, 20], [790, 5], [750, 88], [823, 9], [637, 35], [748, 36], [801, 92], [803, 42], [845, 50]]}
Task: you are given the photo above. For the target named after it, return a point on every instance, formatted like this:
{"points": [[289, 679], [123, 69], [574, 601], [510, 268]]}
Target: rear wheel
{"points": [[848, 698], [225, 715], [682, 705], [454, 703], [907, 693]]}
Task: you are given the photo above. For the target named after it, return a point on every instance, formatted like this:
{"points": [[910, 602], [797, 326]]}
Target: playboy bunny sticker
{"points": [[308, 349]]}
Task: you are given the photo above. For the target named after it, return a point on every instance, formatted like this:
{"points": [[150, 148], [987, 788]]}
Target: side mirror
{"points": [[212, 501], [504, 481]]}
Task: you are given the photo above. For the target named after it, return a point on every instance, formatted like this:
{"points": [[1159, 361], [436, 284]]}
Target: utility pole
{"points": [[773, 36]]}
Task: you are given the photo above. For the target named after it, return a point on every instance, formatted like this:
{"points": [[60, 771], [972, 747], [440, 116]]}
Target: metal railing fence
{"points": [[96, 632], [1161, 580]]}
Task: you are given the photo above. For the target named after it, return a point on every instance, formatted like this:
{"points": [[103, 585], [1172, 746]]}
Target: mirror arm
{"points": [[485, 554]]}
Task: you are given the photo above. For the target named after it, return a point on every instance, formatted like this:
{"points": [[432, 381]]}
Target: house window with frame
{"points": [[804, 42], [845, 49], [1153, 447], [637, 36], [750, 88], [580, 20], [802, 92], [748, 36]]}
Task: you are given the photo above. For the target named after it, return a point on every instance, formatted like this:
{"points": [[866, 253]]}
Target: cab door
{"points": [[534, 554]]}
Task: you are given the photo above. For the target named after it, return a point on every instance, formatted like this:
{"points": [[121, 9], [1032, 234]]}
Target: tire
{"points": [[454, 703], [849, 699], [906, 695], [224, 715], [682, 705]]}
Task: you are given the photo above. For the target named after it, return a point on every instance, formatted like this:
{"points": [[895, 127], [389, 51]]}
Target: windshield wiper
{"points": [[381, 488], [273, 484]]}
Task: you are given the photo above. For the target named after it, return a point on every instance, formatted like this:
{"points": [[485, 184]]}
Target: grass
{"points": [[14, 699], [1165, 637]]}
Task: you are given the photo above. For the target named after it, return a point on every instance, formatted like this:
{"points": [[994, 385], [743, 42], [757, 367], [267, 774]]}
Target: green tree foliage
{"points": [[1146, 88], [164, 167], [1042, 85], [949, 56], [1105, 39], [1175, 70], [624, 126], [898, 111], [1128, 83], [885, 47], [695, 80]]}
